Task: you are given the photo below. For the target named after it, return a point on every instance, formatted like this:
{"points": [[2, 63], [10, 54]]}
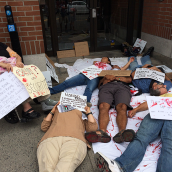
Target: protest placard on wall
{"points": [[81, 49], [115, 72], [47, 78], [33, 80], [140, 43], [77, 101], [160, 107], [91, 72], [65, 53], [147, 73], [12, 93]]}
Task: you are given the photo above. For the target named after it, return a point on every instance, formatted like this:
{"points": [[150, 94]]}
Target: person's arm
{"points": [[6, 66], [18, 58], [126, 79], [128, 64], [141, 107]]}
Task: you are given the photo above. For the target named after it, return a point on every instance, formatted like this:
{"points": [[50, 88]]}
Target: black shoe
{"points": [[149, 51], [130, 52], [31, 115]]}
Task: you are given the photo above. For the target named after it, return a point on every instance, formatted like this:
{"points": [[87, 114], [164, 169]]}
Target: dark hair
{"points": [[154, 92], [110, 62]]}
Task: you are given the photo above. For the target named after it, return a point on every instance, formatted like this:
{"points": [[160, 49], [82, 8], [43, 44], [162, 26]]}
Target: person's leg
{"points": [[164, 162], [146, 60], [72, 153], [134, 64], [91, 86], [148, 131], [77, 80]]}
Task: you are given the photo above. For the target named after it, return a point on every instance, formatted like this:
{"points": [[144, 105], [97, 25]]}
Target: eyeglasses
{"points": [[161, 87]]}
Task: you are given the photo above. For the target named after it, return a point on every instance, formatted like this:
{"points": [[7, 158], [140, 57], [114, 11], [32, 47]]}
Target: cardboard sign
{"points": [[51, 68], [160, 107], [147, 73], [12, 92], [47, 78], [66, 53], [33, 80], [169, 75], [77, 101], [140, 43], [91, 72], [115, 72], [82, 49], [165, 68]]}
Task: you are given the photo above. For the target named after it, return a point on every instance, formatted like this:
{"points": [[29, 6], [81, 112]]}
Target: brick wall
{"points": [[27, 18], [157, 18]]}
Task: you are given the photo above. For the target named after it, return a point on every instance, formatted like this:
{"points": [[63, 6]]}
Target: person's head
{"points": [[106, 60], [158, 89]]}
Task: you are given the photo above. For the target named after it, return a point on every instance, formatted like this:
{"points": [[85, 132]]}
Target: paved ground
{"points": [[18, 142]]}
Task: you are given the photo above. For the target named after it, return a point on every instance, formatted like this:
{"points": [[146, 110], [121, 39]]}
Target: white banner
{"points": [[140, 43], [12, 93], [147, 73], [160, 107], [77, 101]]}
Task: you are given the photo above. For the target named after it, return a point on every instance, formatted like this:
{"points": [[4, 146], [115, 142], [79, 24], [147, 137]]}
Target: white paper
{"points": [[48, 78], [140, 43], [166, 69], [77, 101], [12, 93], [160, 107], [147, 73], [52, 71], [91, 72]]}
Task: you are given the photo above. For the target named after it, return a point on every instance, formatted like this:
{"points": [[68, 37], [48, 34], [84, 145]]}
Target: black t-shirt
{"points": [[3, 51]]}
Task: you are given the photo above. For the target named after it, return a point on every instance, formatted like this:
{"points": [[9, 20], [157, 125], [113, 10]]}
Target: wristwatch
{"points": [[52, 113], [88, 114]]}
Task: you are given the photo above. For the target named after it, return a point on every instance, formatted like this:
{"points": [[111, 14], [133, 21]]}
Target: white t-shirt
{"points": [[103, 66]]}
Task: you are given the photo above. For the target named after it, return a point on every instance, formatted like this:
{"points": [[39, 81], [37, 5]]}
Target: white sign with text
{"points": [[160, 107], [147, 73], [140, 43], [77, 101]]}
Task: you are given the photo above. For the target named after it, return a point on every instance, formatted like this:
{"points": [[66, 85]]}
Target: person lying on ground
{"points": [[81, 79], [9, 59], [113, 91], [149, 130], [63, 147]]}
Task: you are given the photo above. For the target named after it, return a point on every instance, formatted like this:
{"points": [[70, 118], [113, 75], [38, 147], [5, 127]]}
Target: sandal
{"points": [[124, 136], [93, 137], [31, 115]]}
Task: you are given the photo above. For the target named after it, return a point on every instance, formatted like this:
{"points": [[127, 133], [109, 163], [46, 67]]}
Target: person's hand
{"points": [[110, 77], [155, 68], [87, 109], [55, 107], [20, 64], [9, 67], [116, 66], [131, 59], [131, 113]]}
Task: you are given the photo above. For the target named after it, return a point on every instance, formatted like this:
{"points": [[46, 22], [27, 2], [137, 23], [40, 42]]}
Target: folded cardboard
{"points": [[65, 53], [115, 72]]}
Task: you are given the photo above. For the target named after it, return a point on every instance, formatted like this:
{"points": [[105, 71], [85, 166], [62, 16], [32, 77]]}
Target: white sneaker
{"points": [[104, 164], [46, 107]]}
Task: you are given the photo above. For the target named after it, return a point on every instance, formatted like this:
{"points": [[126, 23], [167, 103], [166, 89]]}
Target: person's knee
{"points": [[121, 107], [104, 106]]}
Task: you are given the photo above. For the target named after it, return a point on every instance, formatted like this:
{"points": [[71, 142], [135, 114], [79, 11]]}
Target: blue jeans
{"points": [[133, 65], [148, 131], [77, 80]]}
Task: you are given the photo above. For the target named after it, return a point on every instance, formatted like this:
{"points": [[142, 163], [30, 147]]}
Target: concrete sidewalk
{"points": [[18, 142]]}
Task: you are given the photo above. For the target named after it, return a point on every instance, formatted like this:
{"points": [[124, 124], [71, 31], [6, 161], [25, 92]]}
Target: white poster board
{"points": [[160, 107], [166, 69], [77, 101], [147, 73], [12, 93], [91, 72], [140, 43], [47, 78]]}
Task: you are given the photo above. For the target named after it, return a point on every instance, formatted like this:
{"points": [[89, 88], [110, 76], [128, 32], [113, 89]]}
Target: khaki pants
{"points": [[61, 154]]}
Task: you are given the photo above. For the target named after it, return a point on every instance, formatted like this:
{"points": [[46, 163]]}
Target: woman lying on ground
{"points": [[9, 59], [63, 147]]}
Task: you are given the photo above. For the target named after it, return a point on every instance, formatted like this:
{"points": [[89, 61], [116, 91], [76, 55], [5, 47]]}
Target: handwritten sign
{"points": [[91, 72], [77, 101], [160, 107], [33, 80], [115, 72], [12, 93], [140, 43], [81, 49], [47, 78], [66, 53], [147, 73]]}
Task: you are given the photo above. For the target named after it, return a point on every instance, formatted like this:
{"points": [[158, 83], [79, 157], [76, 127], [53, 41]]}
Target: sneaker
{"points": [[89, 104], [48, 104], [149, 51], [104, 164]]}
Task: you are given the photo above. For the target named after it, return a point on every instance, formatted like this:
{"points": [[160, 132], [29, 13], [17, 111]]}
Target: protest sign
{"points": [[115, 72], [91, 72], [12, 92], [81, 49], [77, 101], [160, 107], [140, 43], [33, 80], [51, 68], [66, 53], [47, 78], [147, 73], [169, 75], [165, 68]]}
